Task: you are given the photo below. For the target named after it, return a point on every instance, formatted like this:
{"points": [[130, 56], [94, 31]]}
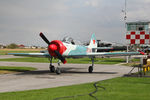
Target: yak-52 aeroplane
{"points": [[61, 50]]}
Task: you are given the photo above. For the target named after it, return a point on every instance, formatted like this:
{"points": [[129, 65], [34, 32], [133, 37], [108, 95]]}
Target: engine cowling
{"points": [[55, 48], [56, 45]]}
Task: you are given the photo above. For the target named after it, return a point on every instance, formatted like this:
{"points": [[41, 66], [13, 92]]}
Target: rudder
{"points": [[93, 42]]}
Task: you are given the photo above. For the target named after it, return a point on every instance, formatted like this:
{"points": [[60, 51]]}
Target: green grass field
{"points": [[12, 69], [18, 69], [6, 51], [69, 60], [124, 88]]}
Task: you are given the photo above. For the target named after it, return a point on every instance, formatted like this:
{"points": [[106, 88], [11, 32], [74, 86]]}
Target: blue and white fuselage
{"points": [[74, 50], [61, 50]]}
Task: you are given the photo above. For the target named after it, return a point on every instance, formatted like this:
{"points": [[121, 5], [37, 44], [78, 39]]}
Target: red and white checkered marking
{"points": [[137, 37]]}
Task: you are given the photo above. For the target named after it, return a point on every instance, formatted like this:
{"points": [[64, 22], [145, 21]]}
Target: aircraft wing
{"points": [[103, 48], [114, 54], [80, 54], [31, 54], [108, 54]]}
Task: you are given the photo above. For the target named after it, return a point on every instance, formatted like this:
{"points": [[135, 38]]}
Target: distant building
{"points": [[21, 46], [2, 46]]}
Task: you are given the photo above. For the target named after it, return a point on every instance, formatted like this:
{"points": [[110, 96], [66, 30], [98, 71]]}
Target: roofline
{"points": [[138, 22]]}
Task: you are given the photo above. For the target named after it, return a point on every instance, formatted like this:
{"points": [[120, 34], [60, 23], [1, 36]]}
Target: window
{"points": [[140, 27], [137, 26]]}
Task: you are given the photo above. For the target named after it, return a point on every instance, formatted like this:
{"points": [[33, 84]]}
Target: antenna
{"points": [[125, 10], [125, 18]]}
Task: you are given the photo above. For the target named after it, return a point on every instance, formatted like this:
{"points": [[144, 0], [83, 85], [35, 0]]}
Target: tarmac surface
{"points": [[10, 56], [42, 78]]}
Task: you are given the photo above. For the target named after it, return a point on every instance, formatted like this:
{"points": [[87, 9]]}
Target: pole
{"points": [[125, 18], [127, 58]]}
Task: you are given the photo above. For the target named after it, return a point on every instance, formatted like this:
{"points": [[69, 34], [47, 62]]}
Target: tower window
{"points": [[141, 28]]}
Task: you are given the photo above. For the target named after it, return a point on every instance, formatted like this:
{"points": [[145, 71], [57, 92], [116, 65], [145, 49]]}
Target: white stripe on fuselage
{"points": [[69, 47]]}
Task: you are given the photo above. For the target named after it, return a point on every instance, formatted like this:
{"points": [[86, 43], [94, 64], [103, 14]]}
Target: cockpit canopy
{"points": [[69, 40]]}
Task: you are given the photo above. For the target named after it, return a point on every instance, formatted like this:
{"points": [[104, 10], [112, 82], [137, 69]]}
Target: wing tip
{"points": [[141, 52]]}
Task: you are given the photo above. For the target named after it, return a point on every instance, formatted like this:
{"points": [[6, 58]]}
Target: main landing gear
{"points": [[91, 67], [58, 70], [52, 68]]}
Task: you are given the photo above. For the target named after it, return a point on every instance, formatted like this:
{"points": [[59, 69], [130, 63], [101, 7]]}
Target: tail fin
{"points": [[93, 42]]}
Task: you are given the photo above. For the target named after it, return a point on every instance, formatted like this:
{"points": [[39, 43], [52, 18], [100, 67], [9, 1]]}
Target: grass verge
{"points": [[69, 60], [124, 88], [12, 69], [6, 51]]}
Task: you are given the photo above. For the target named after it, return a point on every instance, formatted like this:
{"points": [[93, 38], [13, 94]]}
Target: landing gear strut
{"points": [[58, 71], [91, 67], [51, 67]]}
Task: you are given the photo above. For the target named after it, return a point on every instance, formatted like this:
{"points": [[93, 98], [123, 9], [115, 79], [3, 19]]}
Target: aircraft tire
{"points": [[58, 71], [90, 69], [52, 69]]}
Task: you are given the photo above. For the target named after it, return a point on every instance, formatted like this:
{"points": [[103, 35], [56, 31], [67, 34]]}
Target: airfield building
{"points": [[138, 33]]}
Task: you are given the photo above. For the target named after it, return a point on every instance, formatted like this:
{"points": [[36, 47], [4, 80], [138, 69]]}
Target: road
{"points": [[42, 78]]}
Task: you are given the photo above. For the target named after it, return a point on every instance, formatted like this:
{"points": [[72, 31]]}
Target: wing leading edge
{"points": [[31, 54], [109, 54]]}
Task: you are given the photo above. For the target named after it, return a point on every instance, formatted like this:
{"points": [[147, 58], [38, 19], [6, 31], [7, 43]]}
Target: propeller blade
{"points": [[44, 38], [63, 60]]}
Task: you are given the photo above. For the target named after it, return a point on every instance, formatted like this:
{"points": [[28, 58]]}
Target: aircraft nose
{"points": [[53, 47]]}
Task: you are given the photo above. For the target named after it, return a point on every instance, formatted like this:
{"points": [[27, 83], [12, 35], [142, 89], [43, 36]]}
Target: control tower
{"points": [[138, 33]]}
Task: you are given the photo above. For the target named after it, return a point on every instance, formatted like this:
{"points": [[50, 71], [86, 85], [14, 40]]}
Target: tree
{"points": [[12, 46]]}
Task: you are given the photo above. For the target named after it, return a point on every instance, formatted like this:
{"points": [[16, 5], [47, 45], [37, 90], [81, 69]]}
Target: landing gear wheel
{"points": [[90, 69], [52, 68], [58, 71]]}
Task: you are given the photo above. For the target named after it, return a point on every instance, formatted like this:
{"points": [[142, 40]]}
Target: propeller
{"points": [[53, 48], [44, 38], [63, 60]]}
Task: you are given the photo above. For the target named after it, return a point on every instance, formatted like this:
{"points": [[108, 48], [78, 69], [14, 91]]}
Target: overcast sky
{"points": [[21, 21]]}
